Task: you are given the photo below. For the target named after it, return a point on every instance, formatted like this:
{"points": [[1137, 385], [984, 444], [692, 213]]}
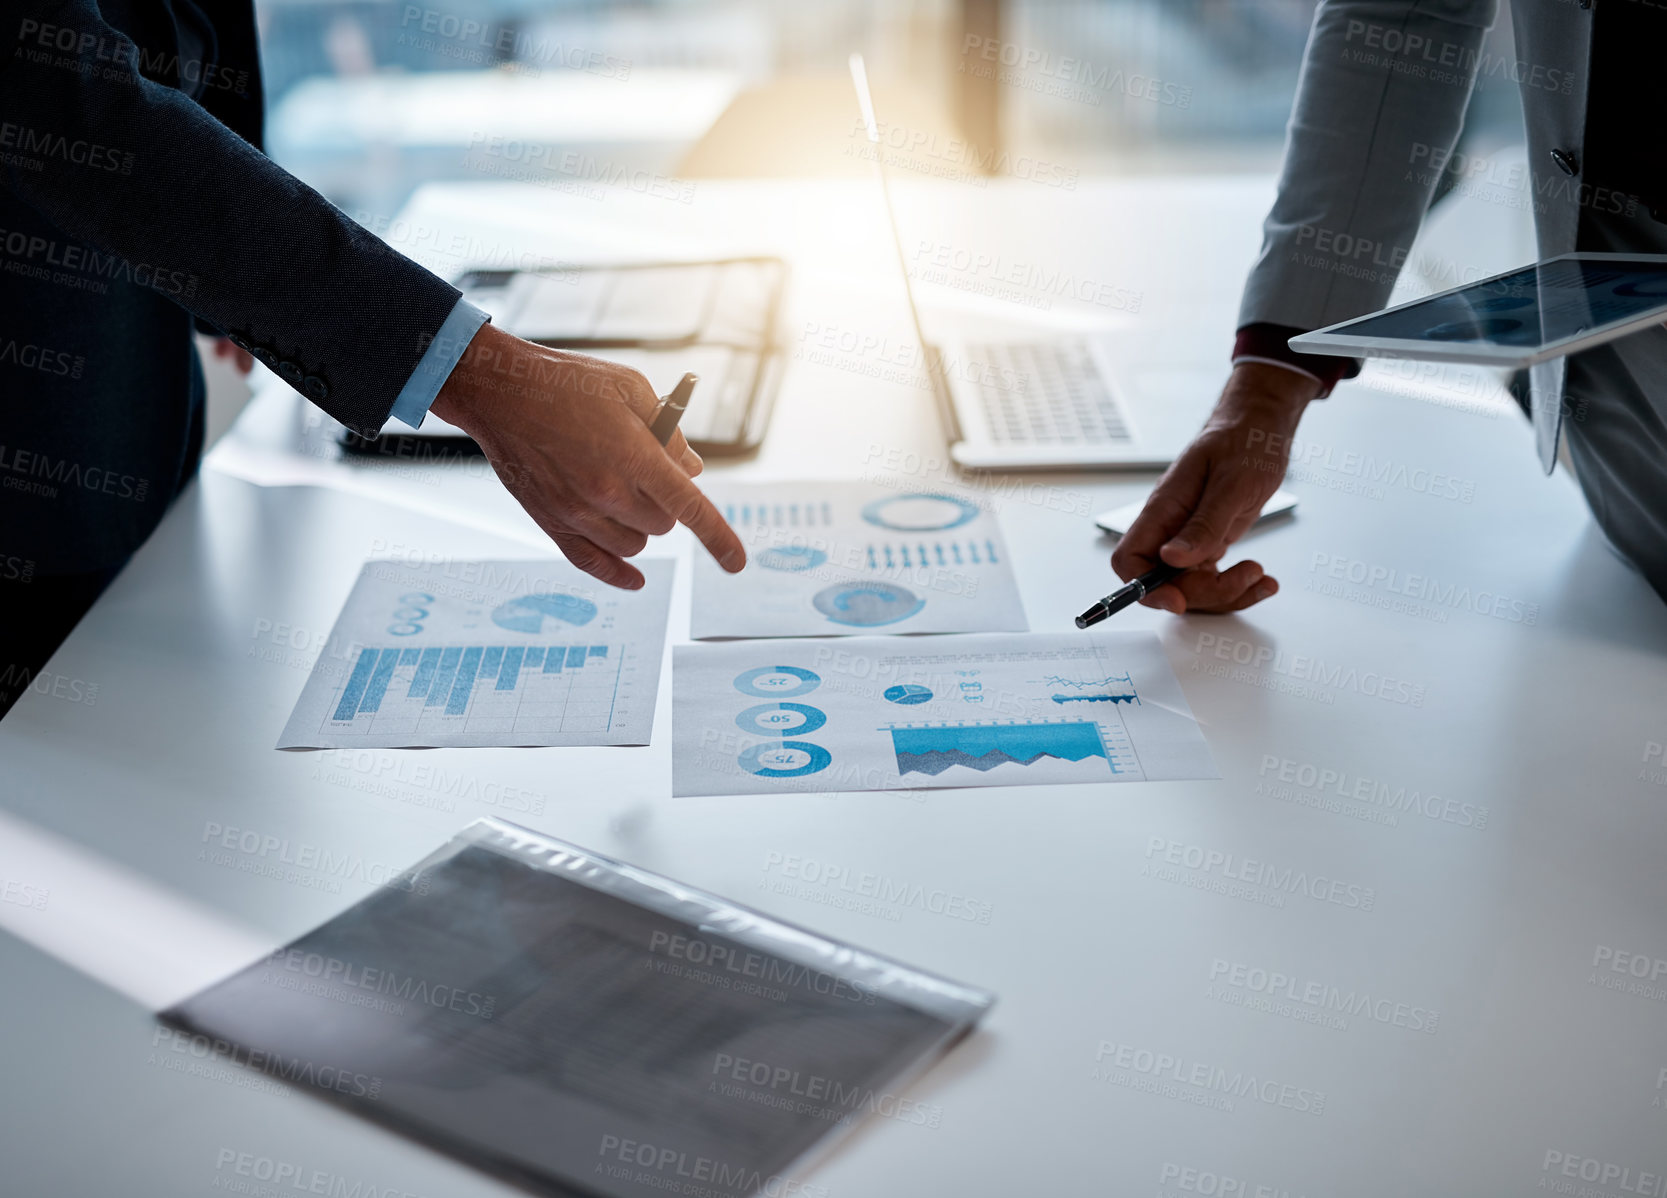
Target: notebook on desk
{"points": [[717, 318]]}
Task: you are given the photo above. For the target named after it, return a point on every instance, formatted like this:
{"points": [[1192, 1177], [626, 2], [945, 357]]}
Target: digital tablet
{"points": [[1528, 315]]}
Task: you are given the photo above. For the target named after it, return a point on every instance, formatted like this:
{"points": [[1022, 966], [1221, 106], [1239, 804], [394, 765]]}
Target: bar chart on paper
{"points": [[493, 689], [496, 654]]}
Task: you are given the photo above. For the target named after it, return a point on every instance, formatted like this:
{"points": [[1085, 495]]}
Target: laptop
{"points": [[1052, 398]]}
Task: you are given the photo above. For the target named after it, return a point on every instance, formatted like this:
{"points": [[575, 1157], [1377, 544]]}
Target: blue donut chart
{"points": [[748, 683], [867, 604], [754, 719], [952, 511], [789, 759], [792, 559]]}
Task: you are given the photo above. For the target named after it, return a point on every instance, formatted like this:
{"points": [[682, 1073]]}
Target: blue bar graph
{"points": [[379, 680], [458, 703], [440, 689], [445, 679], [920, 553], [793, 515], [510, 672], [356, 683], [426, 665]]}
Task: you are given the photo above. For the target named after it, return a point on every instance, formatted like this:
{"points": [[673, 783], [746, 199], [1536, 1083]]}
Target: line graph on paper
{"points": [[1113, 689]]}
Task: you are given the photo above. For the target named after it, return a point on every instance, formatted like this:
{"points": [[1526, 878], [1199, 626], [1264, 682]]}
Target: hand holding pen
{"points": [[672, 408], [1132, 592], [573, 444]]}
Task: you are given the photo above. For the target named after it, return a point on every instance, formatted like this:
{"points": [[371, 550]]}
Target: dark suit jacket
{"points": [[135, 199]]}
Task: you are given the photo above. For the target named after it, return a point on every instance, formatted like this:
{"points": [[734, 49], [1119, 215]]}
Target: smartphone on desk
{"points": [[1118, 519]]}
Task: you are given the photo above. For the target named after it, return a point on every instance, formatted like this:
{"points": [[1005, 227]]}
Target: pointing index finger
{"points": [[668, 486]]}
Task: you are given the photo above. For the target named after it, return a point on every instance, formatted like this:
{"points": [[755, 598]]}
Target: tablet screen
{"points": [[1531, 307]]}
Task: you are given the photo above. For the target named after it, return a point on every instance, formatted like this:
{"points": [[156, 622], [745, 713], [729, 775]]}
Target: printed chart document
{"points": [[580, 1026], [457, 654], [878, 713], [846, 558]]}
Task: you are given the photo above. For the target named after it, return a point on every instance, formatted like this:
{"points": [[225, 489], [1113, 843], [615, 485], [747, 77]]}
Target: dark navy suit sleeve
{"points": [[143, 172]]}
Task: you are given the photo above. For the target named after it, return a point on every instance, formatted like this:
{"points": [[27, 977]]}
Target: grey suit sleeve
{"points": [[145, 174], [1382, 95]]}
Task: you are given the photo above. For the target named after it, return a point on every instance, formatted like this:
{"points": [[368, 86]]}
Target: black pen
{"points": [[1131, 592], [670, 412]]}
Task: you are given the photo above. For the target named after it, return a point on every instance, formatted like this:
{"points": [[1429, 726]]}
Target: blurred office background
{"points": [[369, 98]]}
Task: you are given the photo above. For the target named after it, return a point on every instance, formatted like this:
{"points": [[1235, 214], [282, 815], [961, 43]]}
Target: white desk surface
{"points": [[1538, 1059]]}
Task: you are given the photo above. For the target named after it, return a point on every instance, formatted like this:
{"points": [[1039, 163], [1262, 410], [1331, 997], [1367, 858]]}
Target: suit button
{"points": [[264, 356], [1566, 161], [316, 388], [290, 373]]}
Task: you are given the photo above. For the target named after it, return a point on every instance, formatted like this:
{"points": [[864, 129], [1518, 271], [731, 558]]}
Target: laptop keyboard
{"points": [[1046, 393]]}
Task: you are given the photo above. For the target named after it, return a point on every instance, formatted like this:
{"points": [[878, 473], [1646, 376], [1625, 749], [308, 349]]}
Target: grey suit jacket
{"points": [[1380, 104]]}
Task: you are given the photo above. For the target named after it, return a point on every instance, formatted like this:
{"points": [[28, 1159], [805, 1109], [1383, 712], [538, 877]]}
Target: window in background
{"points": [[368, 99], [1183, 84]]}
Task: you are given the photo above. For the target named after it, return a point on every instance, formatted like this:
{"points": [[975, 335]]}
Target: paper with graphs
{"points": [[882, 713], [458, 654], [848, 558]]}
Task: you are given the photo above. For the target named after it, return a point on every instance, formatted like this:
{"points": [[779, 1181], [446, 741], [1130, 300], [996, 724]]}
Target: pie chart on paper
{"points": [[527, 613], [908, 694]]}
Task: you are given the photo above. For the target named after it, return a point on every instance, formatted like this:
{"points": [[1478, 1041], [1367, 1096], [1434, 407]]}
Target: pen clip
{"points": [[680, 394]]}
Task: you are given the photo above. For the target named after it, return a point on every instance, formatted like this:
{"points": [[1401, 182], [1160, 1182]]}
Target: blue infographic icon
{"points": [[527, 613], [792, 558], [781, 719], [789, 759], [867, 604], [777, 682], [920, 511], [908, 694]]}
